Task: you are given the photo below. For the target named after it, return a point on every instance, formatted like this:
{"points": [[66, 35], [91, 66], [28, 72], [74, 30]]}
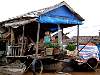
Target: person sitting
{"points": [[53, 39]]}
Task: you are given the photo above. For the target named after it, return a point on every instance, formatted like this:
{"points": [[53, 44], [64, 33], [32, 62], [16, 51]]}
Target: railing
{"points": [[14, 51]]}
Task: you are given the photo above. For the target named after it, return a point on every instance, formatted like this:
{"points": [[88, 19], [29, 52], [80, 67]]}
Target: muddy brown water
{"points": [[72, 73]]}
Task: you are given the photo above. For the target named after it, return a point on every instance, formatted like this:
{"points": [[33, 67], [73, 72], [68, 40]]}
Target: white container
{"points": [[49, 51], [62, 73]]}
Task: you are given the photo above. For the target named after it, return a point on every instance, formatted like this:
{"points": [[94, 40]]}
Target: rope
{"points": [[33, 66], [85, 45], [91, 66], [41, 68]]}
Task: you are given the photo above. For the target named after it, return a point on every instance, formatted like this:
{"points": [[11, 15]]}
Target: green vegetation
{"points": [[71, 47], [50, 45]]}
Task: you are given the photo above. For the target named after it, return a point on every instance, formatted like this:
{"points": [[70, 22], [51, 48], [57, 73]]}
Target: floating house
{"points": [[18, 32], [33, 24]]}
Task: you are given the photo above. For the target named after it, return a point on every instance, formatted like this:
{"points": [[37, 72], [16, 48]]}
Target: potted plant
{"points": [[70, 48], [51, 48]]}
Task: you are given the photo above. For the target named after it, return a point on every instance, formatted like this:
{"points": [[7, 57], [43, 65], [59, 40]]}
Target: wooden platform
{"points": [[16, 56], [11, 71]]}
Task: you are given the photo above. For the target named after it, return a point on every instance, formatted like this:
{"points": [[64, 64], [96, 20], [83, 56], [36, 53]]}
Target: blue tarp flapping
{"points": [[58, 20]]}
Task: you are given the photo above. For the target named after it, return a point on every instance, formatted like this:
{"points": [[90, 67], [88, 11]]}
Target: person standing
{"points": [[47, 38]]}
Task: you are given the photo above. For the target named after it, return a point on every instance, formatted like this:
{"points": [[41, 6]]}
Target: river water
{"points": [[72, 73]]}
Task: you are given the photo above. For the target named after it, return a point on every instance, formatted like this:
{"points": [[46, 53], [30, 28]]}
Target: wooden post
{"points": [[22, 40], [12, 36], [77, 38], [12, 41], [38, 31], [59, 37]]}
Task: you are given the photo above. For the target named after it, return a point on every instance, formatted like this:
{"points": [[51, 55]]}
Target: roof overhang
{"points": [[19, 23], [59, 20]]}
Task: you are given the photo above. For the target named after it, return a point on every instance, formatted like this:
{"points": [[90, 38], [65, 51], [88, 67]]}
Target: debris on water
{"points": [[14, 68], [62, 73]]}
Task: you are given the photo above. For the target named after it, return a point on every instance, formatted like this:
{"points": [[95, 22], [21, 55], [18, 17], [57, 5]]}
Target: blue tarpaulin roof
{"points": [[60, 15]]}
